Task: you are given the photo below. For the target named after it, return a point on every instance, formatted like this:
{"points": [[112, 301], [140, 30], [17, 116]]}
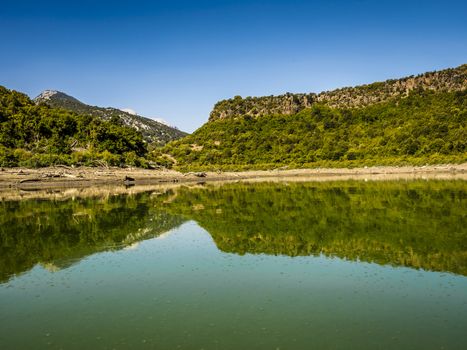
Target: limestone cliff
{"points": [[453, 79]]}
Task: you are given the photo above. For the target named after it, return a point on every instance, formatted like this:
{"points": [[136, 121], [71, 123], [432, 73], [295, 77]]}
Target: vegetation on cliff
{"points": [[424, 127], [452, 79]]}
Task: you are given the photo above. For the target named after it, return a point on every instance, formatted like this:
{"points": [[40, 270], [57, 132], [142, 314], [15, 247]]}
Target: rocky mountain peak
{"points": [[54, 95], [46, 95]]}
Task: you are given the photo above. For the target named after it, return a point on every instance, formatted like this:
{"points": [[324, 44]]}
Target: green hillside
{"points": [[424, 127], [38, 135]]}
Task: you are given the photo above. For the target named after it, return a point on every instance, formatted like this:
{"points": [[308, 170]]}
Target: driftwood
{"points": [[29, 180]]}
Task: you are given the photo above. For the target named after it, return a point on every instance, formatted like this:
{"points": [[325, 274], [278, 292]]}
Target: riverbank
{"points": [[68, 177]]}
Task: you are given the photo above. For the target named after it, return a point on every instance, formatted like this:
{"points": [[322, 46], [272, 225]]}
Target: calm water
{"points": [[340, 265]]}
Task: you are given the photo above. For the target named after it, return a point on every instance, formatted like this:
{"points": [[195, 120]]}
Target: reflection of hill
{"points": [[420, 224], [416, 224], [59, 233]]}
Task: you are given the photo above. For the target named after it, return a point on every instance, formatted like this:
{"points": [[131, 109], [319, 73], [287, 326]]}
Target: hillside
{"points": [[453, 79], [408, 121], [153, 131], [34, 135]]}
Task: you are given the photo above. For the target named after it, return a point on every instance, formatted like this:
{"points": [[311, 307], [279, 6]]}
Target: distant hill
{"points": [[154, 132], [414, 120]]}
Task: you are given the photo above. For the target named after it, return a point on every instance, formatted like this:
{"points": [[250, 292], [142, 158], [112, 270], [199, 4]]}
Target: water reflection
{"points": [[419, 224], [415, 224], [58, 233]]}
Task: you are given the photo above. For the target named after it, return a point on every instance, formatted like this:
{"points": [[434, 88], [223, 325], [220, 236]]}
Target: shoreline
{"points": [[68, 177]]}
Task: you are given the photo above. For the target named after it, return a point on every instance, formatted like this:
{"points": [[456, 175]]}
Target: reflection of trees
{"points": [[416, 224], [59, 233]]}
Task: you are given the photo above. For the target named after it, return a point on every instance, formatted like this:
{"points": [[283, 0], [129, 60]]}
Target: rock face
{"points": [[154, 132], [257, 106], [453, 79]]}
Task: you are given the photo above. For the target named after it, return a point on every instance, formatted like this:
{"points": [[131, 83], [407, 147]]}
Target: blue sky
{"points": [[176, 59]]}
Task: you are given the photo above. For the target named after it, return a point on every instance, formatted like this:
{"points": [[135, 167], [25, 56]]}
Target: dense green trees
{"points": [[37, 135], [425, 127]]}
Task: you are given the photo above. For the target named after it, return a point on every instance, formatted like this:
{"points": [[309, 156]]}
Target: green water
{"points": [[337, 265]]}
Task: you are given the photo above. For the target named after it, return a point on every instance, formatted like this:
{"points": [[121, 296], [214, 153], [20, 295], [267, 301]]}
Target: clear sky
{"points": [[176, 59]]}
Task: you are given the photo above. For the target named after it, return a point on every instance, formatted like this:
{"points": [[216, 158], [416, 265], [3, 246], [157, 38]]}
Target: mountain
{"points": [[413, 120], [154, 132], [453, 79]]}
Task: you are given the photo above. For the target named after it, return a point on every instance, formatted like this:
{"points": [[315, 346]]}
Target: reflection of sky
{"points": [[182, 290], [175, 59]]}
